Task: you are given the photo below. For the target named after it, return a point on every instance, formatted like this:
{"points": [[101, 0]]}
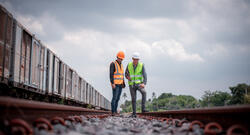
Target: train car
{"points": [[6, 24], [27, 59]]}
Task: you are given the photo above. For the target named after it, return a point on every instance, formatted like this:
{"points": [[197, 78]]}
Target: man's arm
{"points": [[144, 74], [111, 72], [127, 74]]}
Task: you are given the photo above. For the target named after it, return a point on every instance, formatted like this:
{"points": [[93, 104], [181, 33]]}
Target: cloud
{"points": [[155, 29], [33, 24], [176, 51], [217, 50]]}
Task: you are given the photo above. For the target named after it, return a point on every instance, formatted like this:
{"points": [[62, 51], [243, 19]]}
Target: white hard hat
{"points": [[136, 55]]}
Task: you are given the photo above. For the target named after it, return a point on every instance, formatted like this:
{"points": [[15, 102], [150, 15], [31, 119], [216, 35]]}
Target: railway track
{"points": [[230, 120], [226, 116], [18, 116]]}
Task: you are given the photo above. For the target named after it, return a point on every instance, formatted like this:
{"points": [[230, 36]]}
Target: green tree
{"points": [[165, 95], [216, 98], [238, 93]]}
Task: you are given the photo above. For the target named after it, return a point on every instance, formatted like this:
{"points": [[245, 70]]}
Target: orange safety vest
{"points": [[118, 74]]}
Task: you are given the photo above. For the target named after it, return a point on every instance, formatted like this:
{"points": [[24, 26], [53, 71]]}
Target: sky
{"points": [[187, 46]]}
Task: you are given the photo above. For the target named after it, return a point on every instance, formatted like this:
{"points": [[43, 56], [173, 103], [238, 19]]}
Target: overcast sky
{"points": [[187, 46]]}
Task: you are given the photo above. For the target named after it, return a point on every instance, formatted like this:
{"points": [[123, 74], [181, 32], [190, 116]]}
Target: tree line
{"points": [[240, 94]]}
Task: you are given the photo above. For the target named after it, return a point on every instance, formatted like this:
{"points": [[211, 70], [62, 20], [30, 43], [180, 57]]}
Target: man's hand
{"points": [[142, 85], [113, 86], [128, 77]]}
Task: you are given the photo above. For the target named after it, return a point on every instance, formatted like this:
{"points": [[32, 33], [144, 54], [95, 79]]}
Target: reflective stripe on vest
{"points": [[118, 74], [135, 75]]}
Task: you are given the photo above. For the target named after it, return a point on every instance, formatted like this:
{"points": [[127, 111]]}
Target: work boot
{"points": [[117, 114], [133, 116]]}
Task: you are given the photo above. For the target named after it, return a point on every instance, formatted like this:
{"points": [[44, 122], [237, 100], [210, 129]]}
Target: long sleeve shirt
{"points": [[144, 74], [111, 72]]}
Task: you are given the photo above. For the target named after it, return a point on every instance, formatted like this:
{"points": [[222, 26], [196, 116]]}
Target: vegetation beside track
{"points": [[240, 94]]}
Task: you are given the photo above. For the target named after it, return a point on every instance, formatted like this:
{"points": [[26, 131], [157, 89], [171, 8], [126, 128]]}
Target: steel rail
{"points": [[226, 116], [11, 108]]}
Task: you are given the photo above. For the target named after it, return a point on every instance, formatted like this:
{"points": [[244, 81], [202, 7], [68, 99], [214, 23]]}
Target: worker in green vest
{"points": [[137, 79]]}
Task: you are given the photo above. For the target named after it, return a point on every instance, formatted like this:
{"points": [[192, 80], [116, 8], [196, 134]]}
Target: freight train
{"points": [[31, 70]]}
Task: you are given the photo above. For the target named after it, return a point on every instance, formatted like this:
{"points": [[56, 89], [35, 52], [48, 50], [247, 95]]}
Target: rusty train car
{"points": [[27, 64]]}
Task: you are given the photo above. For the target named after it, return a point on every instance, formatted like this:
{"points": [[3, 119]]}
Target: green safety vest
{"points": [[135, 75]]}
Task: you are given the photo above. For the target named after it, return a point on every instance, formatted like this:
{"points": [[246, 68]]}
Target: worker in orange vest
{"points": [[117, 80]]}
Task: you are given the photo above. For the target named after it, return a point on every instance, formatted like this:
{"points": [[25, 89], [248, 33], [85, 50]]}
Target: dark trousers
{"points": [[116, 97], [133, 90]]}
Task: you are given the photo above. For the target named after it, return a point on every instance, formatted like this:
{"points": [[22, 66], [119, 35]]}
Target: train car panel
{"points": [[90, 95], [79, 89], [25, 57], [6, 25], [87, 93], [74, 84], [28, 41], [83, 94], [2, 33], [68, 83], [62, 79], [45, 69], [49, 72], [102, 102], [94, 96], [7, 54], [35, 59], [42, 68], [69, 86], [16, 54], [56, 75], [99, 100], [109, 105]]}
